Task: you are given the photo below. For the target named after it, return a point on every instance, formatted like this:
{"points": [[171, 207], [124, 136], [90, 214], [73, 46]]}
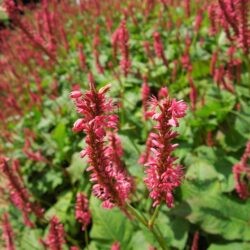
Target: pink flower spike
{"points": [[159, 49], [112, 184], [163, 92], [7, 233], [163, 174], [55, 238], [241, 171], [19, 195], [120, 39], [115, 246], [82, 212], [74, 248]]}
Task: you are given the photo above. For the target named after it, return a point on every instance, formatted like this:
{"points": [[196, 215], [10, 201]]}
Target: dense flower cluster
{"points": [[11, 8], [82, 213], [55, 238], [47, 45], [7, 233], [18, 193], [112, 183], [233, 16], [163, 175], [241, 171]]}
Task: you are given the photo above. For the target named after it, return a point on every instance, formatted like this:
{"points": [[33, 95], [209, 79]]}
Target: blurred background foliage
{"points": [[37, 117]]}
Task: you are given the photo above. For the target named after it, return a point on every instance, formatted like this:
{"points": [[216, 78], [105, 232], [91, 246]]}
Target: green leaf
{"points": [[201, 169], [76, 168], [131, 154], [174, 230], [218, 105], [215, 213], [200, 68], [61, 207], [92, 246], [231, 246], [109, 225], [232, 140], [242, 125], [30, 239], [59, 134], [138, 241]]}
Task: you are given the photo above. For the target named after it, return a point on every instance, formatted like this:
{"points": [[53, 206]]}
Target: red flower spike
{"points": [[163, 174], [116, 246], [120, 39], [233, 17], [158, 47], [82, 213], [74, 248], [18, 193], [192, 93], [241, 170], [55, 239], [195, 243], [112, 183], [7, 233]]}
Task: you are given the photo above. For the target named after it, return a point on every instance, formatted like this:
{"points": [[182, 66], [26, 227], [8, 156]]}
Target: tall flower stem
{"points": [[160, 239], [71, 240], [140, 218], [122, 92], [137, 215], [86, 239], [154, 216]]}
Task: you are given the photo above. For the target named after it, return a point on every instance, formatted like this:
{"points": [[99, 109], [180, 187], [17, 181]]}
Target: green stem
{"points": [[159, 239], [137, 215], [86, 238], [158, 235], [122, 91], [71, 240], [153, 218], [135, 146]]}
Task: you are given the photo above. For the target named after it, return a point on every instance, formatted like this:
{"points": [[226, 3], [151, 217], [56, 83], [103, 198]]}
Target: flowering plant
{"points": [[124, 124]]}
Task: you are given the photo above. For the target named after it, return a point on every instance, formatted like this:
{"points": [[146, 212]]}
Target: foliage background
{"points": [[206, 201]]}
